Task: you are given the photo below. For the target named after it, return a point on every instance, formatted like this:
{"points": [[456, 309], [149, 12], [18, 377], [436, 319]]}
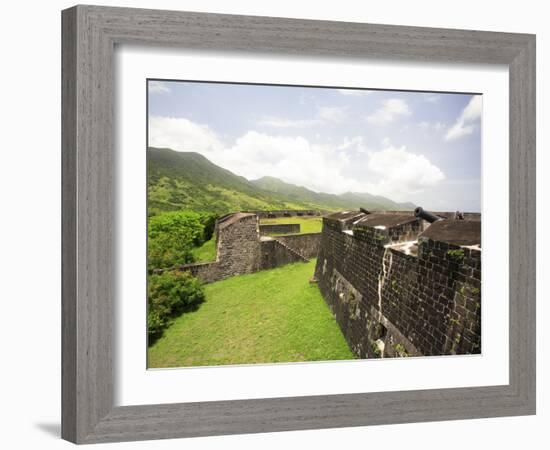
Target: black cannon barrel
{"points": [[426, 215], [364, 211]]}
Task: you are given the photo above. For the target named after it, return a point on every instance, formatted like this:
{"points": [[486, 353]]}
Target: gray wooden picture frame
{"points": [[90, 34]]}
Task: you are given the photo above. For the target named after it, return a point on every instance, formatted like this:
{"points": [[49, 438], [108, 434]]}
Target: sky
{"points": [[422, 147]]}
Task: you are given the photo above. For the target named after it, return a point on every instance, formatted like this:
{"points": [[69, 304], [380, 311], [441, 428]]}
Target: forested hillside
{"points": [[189, 181]]}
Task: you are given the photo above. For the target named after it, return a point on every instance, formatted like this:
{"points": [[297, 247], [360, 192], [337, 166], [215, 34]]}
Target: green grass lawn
{"points": [[265, 317], [307, 224], [206, 252]]}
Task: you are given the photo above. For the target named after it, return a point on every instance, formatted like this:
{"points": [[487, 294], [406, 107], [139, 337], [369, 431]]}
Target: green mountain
{"points": [[342, 201], [188, 180]]}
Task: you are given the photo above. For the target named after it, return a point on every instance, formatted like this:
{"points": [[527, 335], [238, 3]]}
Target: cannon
{"points": [[426, 215], [364, 211]]}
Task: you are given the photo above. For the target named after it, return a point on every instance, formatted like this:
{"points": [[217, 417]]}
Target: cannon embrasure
{"points": [[426, 215]]}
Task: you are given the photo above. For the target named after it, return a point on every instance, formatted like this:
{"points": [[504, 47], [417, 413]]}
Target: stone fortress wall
{"points": [[397, 285], [400, 286], [280, 228], [288, 213], [241, 249]]}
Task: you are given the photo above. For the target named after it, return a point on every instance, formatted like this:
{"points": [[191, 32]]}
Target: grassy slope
{"points": [[265, 317], [206, 252], [307, 225]]}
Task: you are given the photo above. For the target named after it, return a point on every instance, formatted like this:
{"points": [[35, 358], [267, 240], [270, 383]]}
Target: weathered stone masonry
{"points": [[237, 249], [306, 244], [280, 228], [398, 287], [287, 213], [240, 249]]}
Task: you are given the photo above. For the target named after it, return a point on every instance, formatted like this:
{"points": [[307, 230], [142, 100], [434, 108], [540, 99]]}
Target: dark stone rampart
{"points": [[306, 244], [395, 296], [276, 254]]}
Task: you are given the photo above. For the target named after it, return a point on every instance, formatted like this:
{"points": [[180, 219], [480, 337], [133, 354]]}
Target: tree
{"points": [[171, 236], [168, 295]]}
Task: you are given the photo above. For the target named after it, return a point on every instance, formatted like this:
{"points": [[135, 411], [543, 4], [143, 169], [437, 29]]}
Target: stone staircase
{"points": [[292, 251]]}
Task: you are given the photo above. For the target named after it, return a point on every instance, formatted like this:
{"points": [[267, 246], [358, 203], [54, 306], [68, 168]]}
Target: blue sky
{"points": [[408, 146]]}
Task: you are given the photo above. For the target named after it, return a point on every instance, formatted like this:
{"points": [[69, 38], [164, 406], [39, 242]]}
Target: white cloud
{"points": [[331, 113], [354, 92], [404, 128], [345, 165], [458, 130], [158, 87], [473, 109], [182, 135], [467, 122], [432, 98], [391, 109], [292, 159], [356, 143], [401, 173], [281, 122], [434, 126], [324, 115]]}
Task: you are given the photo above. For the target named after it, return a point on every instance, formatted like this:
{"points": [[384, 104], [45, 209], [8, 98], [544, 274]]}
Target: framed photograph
{"points": [[278, 224]]}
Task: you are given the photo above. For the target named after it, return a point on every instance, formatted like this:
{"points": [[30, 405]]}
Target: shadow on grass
{"points": [[152, 338]]}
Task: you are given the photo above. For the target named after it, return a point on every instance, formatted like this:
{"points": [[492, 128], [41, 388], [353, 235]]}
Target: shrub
{"points": [[171, 236], [155, 324], [209, 223], [168, 295], [400, 350], [456, 255]]}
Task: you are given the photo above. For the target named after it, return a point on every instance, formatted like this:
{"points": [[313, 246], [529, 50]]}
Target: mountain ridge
{"points": [[345, 200], [189, 180]]}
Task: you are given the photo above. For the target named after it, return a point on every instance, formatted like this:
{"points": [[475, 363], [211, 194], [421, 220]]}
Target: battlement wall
{"points": [[240, 249], [400, 288]]}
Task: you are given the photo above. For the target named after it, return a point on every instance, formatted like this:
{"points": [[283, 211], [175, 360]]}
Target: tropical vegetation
{"points": [[168, 295], [265, 317]]}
